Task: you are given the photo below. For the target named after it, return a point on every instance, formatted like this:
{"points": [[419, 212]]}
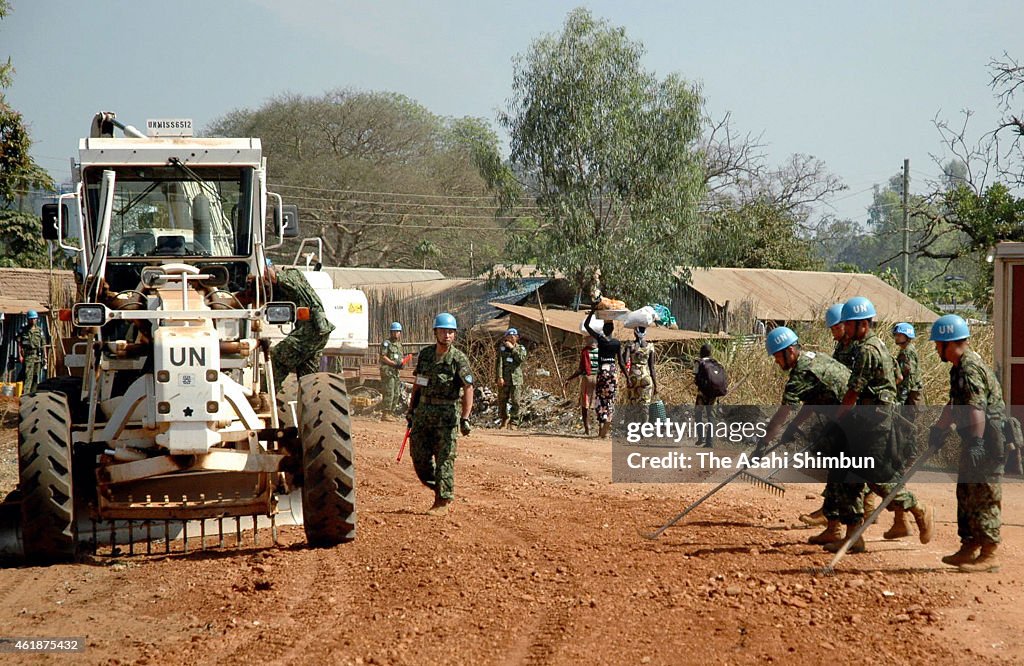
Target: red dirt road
{"points": [[540, 563]]}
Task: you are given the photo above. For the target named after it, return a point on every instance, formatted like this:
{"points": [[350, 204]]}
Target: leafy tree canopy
{"points": [[610, 154]]}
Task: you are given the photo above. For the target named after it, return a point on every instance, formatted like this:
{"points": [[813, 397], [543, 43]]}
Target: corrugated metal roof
{"points": [[778, 295], [23, 289], [354, 278], [571, 322]]}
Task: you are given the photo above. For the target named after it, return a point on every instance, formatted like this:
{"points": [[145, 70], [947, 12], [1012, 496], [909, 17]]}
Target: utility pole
{"points": [[906, 226]]}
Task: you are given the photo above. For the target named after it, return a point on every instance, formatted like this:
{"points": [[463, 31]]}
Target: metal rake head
{"points": [[763, 483]]}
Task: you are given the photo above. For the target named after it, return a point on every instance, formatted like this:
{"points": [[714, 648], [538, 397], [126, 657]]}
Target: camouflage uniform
{"points": [[435, 424], [509, 366], [301, 350], [392, 385], [31, 341], [909, 390], [845, 353], [869, 425], [978, 510], [639, 383], [817, 379]]}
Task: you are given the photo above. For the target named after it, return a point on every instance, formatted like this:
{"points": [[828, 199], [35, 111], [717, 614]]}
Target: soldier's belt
{"points": [[439, 401]]}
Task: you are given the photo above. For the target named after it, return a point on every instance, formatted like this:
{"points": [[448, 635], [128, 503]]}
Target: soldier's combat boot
{"points": [[900, 527], [857, 547], [440, 508], [968, 551], [985, 562], [814, 519], [833, 532], [924, 517]]}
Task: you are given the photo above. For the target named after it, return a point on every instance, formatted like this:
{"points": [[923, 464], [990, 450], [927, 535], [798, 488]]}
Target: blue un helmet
{"points": [[950, 328], [834, 315], [445, 320], [780, 338], [395, 326], [858, 308], [904, 328], [32, 314], [512, 331]]}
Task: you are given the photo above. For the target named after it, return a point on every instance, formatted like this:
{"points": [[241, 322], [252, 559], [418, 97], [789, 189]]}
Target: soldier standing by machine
{"points": [[391, 363], [30, 352]]}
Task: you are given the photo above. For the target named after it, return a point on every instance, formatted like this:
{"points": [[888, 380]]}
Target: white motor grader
{"points": [[169, 420]]}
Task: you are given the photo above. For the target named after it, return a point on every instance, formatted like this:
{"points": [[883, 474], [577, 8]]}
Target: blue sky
{"points": [[855, 84]]}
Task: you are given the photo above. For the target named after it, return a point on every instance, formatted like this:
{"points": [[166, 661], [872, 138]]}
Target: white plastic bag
{"points": [[643, 317]]}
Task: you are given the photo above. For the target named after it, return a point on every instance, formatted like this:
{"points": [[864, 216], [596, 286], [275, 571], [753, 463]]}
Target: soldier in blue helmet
{"points": [[30, 352], [814, 379], [977, 409], [909, 390], [438, 413], [508, 374], [868, 416], [391, 355]]}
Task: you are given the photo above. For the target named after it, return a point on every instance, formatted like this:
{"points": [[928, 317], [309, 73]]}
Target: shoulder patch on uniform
{"points": [[469, 379], [810, 354]]}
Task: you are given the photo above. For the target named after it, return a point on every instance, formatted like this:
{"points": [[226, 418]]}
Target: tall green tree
{"points": [[374, 173], [610, 154], [21, 238]]}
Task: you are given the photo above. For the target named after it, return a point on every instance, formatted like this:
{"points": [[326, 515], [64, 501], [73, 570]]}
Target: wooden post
{"points": [[551, 347]]}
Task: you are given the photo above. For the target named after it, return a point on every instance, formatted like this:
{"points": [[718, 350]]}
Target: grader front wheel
{"points": [[328, 462], [44, 469]]}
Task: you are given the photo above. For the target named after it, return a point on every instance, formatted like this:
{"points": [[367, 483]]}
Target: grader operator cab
{"points": [[169, 418]]}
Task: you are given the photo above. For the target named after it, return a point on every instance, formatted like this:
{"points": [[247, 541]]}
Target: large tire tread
{"points": [[328, 461], [45, 478]]}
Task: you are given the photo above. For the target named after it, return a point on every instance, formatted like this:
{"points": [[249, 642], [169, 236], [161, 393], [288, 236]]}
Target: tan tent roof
{"points": [[24, 289], [568, 321], [779, 295]]}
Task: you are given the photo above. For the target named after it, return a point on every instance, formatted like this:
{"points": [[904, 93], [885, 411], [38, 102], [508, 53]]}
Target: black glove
{"points": [[788, 436], [936, 438], [760, 446], [401, 364], [464, 426], [408, 418], [976, 451]]}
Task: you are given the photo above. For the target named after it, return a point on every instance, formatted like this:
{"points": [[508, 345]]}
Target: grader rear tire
{"points": [[328, 462], [45, 478]]}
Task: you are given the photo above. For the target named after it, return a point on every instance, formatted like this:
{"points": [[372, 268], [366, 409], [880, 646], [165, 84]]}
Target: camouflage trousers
{"points": [[392, 386], [298, 353], [845, 501], [979, 511], [510, 395], [435, 429], [32, 366]]}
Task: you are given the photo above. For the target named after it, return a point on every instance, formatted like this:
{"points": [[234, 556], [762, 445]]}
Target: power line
{"points": [[403, 203], [393, 194]]}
